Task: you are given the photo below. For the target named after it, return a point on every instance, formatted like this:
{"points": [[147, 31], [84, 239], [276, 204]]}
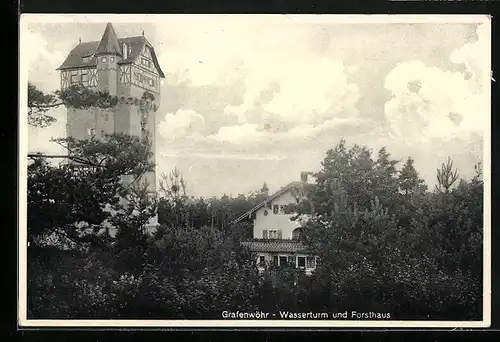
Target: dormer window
{"points": [[125, 51], [86, 59]]}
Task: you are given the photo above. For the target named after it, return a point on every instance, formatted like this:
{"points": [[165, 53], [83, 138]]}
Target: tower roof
{"points": [[109, 42]]}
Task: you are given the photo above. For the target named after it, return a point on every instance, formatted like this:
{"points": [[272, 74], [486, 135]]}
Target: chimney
{"points": [[303, 176], [125, 51]]}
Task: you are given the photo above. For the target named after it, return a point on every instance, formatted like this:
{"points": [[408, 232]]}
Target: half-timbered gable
{"points": [[85, 76], [138, 65], [145, 73]]}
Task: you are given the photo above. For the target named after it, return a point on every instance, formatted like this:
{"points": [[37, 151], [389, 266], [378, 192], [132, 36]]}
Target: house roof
{"points": [[89, 49], [296, 185], [109, 42], [285, 246]]}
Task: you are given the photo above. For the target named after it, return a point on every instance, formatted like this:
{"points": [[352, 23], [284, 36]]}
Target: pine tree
{"points": [[409, 181]]}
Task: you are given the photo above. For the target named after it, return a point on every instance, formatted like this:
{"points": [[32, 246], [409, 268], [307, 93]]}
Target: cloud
{"points": [[219, 51], [428, 102], [227, 156], [296, 91], [251, 135], [42, 62], [291, 90], [182, 124]]}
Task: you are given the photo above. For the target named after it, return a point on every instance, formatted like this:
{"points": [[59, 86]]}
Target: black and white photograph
{"points": [[254, 171]]}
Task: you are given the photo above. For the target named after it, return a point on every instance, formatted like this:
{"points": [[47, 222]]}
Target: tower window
{"points": [[85, 77], [104, 59], [75, 77]]}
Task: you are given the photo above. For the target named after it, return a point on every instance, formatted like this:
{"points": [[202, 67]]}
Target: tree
{"points": [[385, 179], [77, 96], [72, 207], [409, 181], [370, 258], [446, 177], [72, 200], [38, 105]]}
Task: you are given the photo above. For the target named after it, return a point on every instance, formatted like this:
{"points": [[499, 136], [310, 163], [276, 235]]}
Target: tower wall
{"points": [[80, 122], [107, 71]]}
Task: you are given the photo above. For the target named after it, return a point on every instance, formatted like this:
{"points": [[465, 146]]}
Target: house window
{"points": [[102, 133], [276, 260], [91, 132], [279, 209], [150, 81], [296, 233], [273, 234], [283, 260], [104, 59], [301, 262], [262, 260], [311, 262], [111, 59]]}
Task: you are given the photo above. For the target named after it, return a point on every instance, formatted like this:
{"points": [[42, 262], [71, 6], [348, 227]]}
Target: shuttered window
{"points": [[310, 262], [280, 234], [262, 260], [264, 234], [283, 260], [275, 260], [301, 262]]}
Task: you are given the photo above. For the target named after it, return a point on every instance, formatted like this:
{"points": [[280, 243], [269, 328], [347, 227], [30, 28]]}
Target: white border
{"points": [[23, 322]]}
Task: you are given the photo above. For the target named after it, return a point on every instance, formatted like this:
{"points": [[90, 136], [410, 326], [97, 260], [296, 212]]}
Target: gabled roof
{"points": [[88, 49], [109, 42], [292, 185], [285, 246]]}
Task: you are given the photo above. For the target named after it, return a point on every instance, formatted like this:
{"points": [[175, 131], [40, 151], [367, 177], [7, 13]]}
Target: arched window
{"points": [[296, 233]]}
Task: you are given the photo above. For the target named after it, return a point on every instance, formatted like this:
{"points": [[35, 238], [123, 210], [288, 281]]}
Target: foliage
{"points": [[76, 96], [416, 256], [384, 242]]}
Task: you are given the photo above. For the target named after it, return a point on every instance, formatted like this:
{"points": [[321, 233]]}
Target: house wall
{"points": [[275, 221]]}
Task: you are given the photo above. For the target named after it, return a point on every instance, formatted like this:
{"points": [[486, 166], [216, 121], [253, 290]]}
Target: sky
{"points": [[254, 99]]}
